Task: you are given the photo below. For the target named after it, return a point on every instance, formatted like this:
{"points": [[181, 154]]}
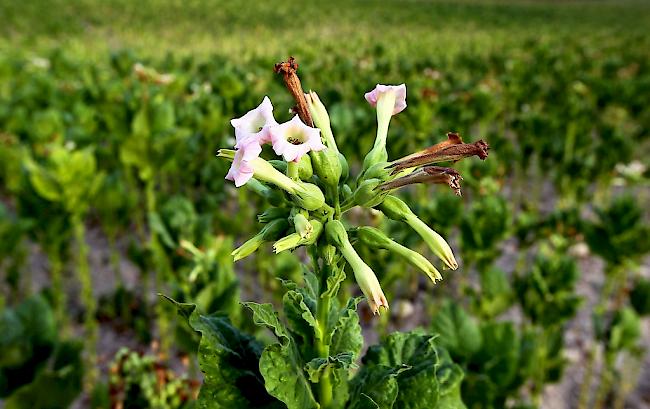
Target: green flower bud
{"points": [[305, 170], [345, 168], [302, 226], [269, 232], [378, 171], [294, 240], [308, 196], [327, 166], [321, 119], [346, 192], [363, 274], [396, 209], [376, 238], [367, 194], [274, 197], [273, 213]]}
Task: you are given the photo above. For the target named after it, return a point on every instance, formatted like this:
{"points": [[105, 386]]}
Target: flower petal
{"points": [[400, 96]]}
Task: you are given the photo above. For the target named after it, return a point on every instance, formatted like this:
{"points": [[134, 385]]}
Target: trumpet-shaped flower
{"points": [[293, 139], [255, 124], [396, 93], [241, 170]]}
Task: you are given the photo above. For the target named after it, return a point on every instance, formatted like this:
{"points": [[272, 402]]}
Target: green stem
{"points": [[58, 292], [585, 388], [161, 268], [88, 300], [322, 343]]}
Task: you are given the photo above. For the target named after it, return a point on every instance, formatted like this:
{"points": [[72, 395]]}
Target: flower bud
{"points": [[269, 232], [367, 194], [305, 170], [308, 196], [294, 240], [346, 192], [273, 213], [274, 197], [396, 209], [363, 274], [321, 119], [376, 238], [345, 168], [302, 226], [377, 171], [327, 167]]}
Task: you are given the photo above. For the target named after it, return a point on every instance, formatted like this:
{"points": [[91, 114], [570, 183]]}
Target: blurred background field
{"points": [[111, 113]]}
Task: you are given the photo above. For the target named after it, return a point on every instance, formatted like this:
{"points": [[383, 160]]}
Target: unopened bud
{"points": [[269, 232], [367, 194], [321, 119], [396, 209], [302, 225], [295, 240], [376, 238], [363, 274], [327, 166], [308, 196]]}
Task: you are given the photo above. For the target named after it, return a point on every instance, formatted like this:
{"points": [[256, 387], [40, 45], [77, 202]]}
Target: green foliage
{"points": [[143, 382], [408, 370], [229, 361], [547, 292], [37, 370]]}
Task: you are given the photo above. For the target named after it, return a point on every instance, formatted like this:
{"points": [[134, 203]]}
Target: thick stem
{"points": [[88, 300], [322, 344]]}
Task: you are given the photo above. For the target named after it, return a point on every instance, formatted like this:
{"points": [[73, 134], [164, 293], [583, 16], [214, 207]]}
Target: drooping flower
{"points": [[241, 170], [396, 93], [363, 274], [255, 124], [293, 139]]}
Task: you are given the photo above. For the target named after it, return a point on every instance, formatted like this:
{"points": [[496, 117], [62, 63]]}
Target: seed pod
{"points": [[367, 194], [295, 240], [308, 196], [327, 166]]}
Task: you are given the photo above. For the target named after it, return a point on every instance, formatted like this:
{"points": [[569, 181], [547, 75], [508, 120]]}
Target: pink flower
{"points": [[241, 170], [255, 124], [381, 90], [293, 139]]}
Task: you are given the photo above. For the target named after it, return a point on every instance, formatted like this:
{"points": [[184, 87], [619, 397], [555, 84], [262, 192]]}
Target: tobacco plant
{"points": [[314, 362]]}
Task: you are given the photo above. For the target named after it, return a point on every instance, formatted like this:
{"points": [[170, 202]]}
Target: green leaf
{"points": [[281, 364], [229, 361], [375, 387], [458, 332], [316, 366], [156, 224], [347, 335], [499, 354], [425, 371], [496, 294], [54, 387], [300, 316]]}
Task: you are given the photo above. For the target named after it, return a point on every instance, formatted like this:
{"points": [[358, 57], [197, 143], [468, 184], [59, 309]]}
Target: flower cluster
{"points": [[310, 189]]}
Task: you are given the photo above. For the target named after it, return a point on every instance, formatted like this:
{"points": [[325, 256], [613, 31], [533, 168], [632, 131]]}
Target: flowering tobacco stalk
{"points": [[310, 191]]}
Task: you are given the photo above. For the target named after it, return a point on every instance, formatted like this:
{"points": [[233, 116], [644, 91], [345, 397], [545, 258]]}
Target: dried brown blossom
{"points": [[451, 150], [428, 174], [292, 82]]}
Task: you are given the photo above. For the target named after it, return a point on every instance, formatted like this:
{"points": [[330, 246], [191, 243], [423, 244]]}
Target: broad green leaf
{"points": [[375, 387], [300, 317], [316, 366], [458, 332], [54, 387], [229, 361], [281, 364], [347, 336], [499, 353]]}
